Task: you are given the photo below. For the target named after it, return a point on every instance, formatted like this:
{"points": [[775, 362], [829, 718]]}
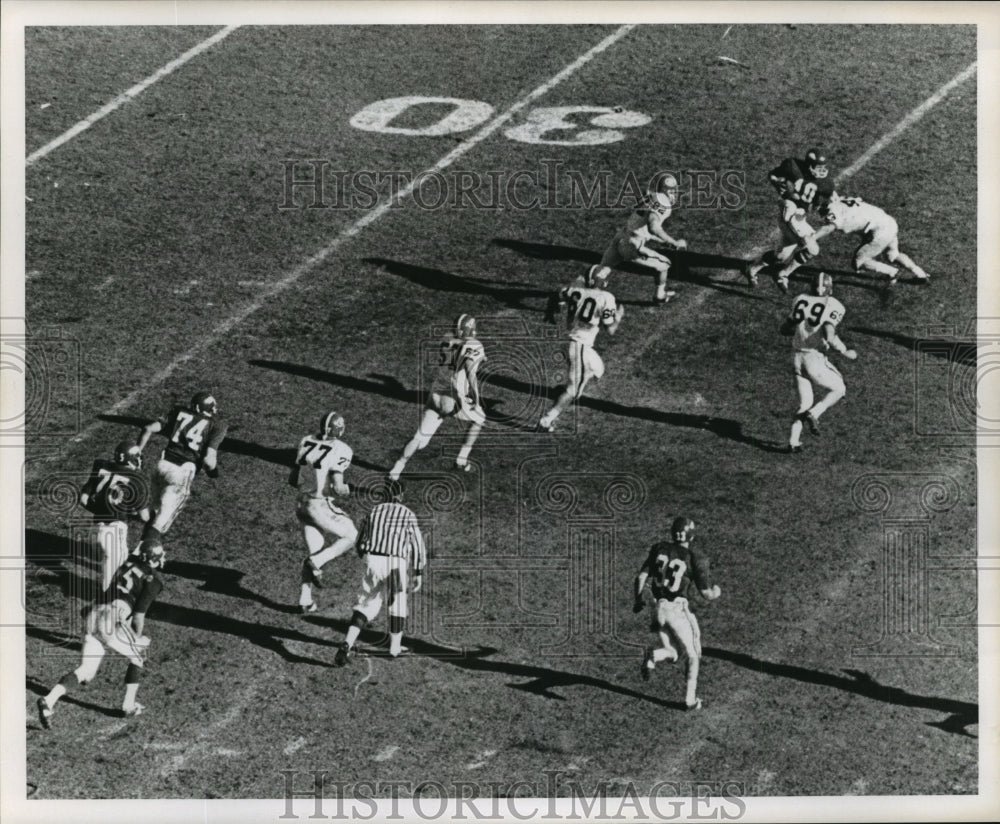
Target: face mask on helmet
{"points": [[332, 425], [816, 164], [127, 454], [204, 404]]}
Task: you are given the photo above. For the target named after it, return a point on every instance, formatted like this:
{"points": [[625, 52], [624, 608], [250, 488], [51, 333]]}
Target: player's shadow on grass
{"points": [[722, 427], [963, 352], [65, 560], [542, 680], [685, 268], [510, 295], [961, 713], [281, 456], [261, 635], [223, 581], [376, 384]]}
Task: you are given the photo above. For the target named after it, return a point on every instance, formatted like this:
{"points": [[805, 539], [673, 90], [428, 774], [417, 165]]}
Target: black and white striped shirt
{"points": [[391, 529]]}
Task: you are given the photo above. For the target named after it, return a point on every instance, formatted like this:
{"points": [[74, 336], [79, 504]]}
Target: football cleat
{"points": [[682, 530], [44, 713], [695, 706], [664, 295], [463, 466], [204, 403], [402, 653], [127, 454], [794, 449], [306, 609], [922, 281], [465, 326], [331, 426], [344, 653], [816, 164], [134, 710], [545, 425]]}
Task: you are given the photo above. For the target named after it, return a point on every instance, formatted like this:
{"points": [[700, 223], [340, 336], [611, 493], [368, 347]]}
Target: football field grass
{"points": [[163, 242]]}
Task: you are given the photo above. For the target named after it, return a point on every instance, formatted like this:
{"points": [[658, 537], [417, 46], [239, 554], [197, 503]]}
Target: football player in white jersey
{"points": [[812, 325], [319, 469], [590, 307], [852, 215], [630, 244], [454, 393]]}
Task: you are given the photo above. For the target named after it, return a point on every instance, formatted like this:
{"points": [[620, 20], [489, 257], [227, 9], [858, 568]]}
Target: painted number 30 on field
{"points": [[550, 126]]}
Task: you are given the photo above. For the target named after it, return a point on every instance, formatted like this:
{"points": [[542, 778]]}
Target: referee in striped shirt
{"points": [[391, 544]]}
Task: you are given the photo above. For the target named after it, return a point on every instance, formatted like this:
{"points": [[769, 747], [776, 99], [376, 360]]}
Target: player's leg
{"points": [[462, 459], [659, 263], [574, 385], [691, 699], [866, 254], [113, 540], [827, 376], [90, 661], [311, 574], [398, 611], [680, 622], [893, 255], [429, 424], [803, 387], [175, 495], [474, 415], [368, 605]]}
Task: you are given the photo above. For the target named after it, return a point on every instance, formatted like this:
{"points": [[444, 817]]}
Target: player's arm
{"points": [[148, 431], [834, 342], [640, 587], [700, 575], [788, 327], [613, 318], [654, 224], [211, 461], [88, 489], [339, 486]]}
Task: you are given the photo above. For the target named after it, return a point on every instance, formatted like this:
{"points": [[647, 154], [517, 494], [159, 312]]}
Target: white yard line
{"points": [[128, 95], [290, 278]]}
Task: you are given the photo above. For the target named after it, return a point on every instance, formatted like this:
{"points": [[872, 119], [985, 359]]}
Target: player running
{"points": [[590, 308], [115, 492], [804, 186], [116, 622], [852, 215], [454, 393], [812, 324], [670, 569], [320, 463], [194, 434], [645, 224]]}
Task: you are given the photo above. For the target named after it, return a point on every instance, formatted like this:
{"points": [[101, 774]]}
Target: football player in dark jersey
{"points": [[115, 492], [804, 186], [116, 622], [670, 569], [193, 434]]}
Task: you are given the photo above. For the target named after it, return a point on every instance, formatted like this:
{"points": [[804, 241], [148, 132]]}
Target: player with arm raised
{"points": [[880, 234], [645, 224], [194, 434], [454, 393], [812, 324], [115, 493], [320, 463], [590, 308], [670, 569]]}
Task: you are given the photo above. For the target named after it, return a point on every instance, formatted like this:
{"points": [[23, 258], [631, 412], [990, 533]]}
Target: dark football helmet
{"points": [[204, 403], [597, 277], [816, 164], [682, 530], [152, 553], [128, 454]]}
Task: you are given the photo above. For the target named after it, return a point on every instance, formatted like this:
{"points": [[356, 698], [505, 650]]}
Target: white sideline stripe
{"points": [[311, 263], [128, 95]]}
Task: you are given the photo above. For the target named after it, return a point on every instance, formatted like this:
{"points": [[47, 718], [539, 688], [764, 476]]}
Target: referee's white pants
{"points": [[385, 577]]}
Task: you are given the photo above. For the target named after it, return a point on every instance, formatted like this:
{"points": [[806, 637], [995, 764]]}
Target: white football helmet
{"points": [[465, 326], [666, 190], [331, 426], [597, 276]]}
